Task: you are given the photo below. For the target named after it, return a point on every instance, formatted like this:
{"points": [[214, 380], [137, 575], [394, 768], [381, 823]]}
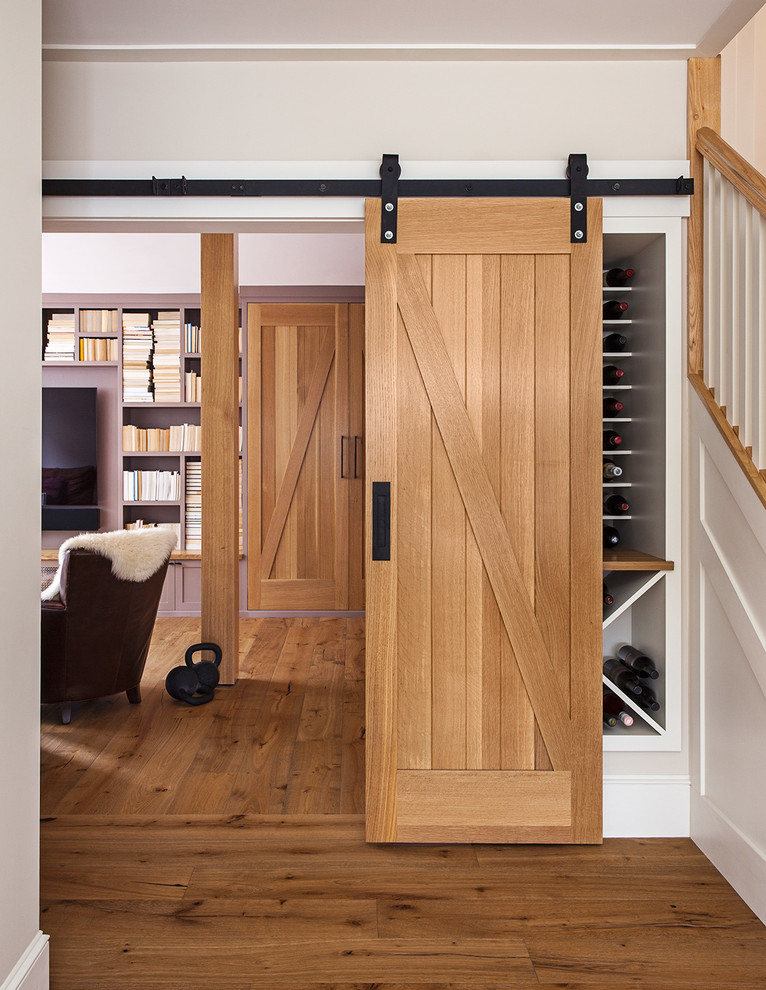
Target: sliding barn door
{"points": [[484, 625], [302, 456]]}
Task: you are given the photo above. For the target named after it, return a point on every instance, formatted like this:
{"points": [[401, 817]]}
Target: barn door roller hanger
{"points": [[576, 187]]}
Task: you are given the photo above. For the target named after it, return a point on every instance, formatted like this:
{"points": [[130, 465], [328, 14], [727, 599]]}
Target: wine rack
{"points": [[639, 571]]}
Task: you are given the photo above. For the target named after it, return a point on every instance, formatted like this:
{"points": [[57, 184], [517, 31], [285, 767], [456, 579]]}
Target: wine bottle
{"points": [[619, 674], [612, 439], [615, 707], [618, 276], [615, 505], [613, 375], [647, 699], [614, 309], [615, 342], [610, 720], [611, 470], [611, 536], [612, 406], [638, 662], [608, 599]]}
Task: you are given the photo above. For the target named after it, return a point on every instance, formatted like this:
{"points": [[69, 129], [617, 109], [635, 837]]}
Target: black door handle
{"points": [[381, 520]]}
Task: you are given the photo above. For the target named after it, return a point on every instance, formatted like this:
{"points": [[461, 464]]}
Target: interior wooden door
{"points": [[300, 456], [484, 626]]}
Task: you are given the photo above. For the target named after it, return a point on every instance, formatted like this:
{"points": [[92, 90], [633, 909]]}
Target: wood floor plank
{"points": [[649, 958], [114, 962], [189, 920]]}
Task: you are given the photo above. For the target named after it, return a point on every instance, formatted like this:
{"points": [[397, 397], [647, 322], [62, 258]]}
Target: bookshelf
{"points": [[149, 442]]}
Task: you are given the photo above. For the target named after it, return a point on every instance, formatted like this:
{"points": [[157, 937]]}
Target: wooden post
{"points": [[703, 110], [219, 418]]}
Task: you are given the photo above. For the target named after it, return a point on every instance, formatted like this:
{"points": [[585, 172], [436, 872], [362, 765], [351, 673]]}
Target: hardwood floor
{"points": [[222, 847]]}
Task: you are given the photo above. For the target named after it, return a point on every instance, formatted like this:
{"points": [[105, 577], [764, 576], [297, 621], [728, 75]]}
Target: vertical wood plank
{"points": [[724, 323], [474, 567], [585, 540], [356, 429], [491, 435], [552, 459], [517, 402], [414, 554], [703, 110], [342, 486], [448, 540], [254, 455], [381, 422], [219, 418]]}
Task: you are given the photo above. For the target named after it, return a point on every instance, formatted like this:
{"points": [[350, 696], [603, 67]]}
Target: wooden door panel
{"points": [[483, 647], [297, 384]]}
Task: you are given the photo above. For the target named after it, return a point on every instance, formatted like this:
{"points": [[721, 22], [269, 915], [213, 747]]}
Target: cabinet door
{"points": [[483, 616], [300, 456]]}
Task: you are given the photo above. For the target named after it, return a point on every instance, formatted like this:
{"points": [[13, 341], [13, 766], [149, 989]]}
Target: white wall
{"points": [[728, 647], [743, 91], [124, 263], [23, 951], [329, 111]]}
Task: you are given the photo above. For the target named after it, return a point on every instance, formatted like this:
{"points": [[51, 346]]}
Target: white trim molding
{"points": [[733, 854], [31, 972], [646, 806]]}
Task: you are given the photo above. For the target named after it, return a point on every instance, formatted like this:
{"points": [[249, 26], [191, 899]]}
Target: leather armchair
{"points": [[96, 639]]}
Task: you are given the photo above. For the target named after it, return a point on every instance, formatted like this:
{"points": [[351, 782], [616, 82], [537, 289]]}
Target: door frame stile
{"points": [[381, 583]]}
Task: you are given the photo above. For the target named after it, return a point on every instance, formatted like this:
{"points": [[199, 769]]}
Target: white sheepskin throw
{"points": [[135, 553]]}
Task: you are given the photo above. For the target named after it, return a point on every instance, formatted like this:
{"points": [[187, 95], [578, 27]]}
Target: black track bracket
{"points": [[390, 170], [169, 187], [577, 173]]}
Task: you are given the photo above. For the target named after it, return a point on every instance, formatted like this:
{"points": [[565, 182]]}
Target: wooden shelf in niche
{"points": [[626, 559]]}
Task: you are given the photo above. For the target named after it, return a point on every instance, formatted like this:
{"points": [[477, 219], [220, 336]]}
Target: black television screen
{"points": [[70, 446]]}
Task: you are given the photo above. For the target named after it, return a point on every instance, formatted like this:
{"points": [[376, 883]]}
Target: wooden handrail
{"points": [[746, 180]]}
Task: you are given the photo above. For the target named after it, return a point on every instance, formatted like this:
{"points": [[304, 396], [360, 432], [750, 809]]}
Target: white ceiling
{"points": [[443, 29]]}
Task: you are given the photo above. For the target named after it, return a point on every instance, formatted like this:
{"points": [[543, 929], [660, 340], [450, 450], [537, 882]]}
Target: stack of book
{"points": [[151, 486], [167, 357], [98, 348], [143, 524], [194, 505], [137, 347], [99, 321], [60, 343]]}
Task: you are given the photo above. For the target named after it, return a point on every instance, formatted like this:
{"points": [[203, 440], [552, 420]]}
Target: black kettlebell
{"points": [[206, 670], [195, 683]]}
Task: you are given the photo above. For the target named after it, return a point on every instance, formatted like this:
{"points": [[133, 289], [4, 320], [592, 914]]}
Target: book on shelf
{"points": [[193, 339], [182, 437], [60, 344], [143, 524], [151, 486], [193, 507], [99, 321], [137, 349], [193, 386], [98, 348], [166, 363]]}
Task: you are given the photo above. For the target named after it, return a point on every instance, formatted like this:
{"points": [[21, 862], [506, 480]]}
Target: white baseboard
{"points": [[31, 971], [730, 851], [646, 806]]}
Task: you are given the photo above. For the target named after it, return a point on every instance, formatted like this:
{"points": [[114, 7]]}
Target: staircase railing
{"points": [[729, 373]]}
